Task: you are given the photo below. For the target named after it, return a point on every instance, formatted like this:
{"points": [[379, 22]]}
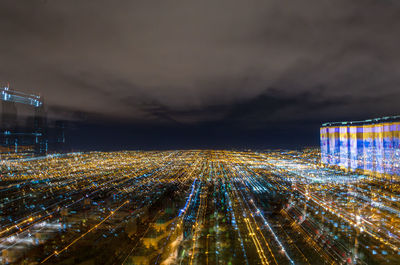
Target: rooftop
{"points": [[363, 122]]}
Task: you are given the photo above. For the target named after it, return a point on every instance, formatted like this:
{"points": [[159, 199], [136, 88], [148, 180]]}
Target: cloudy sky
{"points": [[224, 73]]}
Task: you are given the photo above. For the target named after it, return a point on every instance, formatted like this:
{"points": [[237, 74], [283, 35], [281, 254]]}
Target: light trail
{"points": [[196, 207], [84, 234]]}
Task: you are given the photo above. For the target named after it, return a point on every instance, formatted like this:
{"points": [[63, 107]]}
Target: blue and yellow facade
{"points": [[371, 147]]}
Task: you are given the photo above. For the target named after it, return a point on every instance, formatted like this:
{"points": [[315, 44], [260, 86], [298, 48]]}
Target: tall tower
{"points": [[9, 112], [60, 127], [31, 136], [39, 128], [8, 119]]}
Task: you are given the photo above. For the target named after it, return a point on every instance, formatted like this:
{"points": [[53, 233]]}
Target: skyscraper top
{"points": [[368, 121]]}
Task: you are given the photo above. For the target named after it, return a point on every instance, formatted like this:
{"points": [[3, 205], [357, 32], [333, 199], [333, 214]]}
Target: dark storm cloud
{"points": [[243, 62]]}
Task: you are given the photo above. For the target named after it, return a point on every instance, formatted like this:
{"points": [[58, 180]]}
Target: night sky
{"points": [[203, 74]]}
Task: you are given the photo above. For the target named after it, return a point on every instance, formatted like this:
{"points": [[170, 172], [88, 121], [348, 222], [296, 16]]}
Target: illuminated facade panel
{"points": [[344, 147], [333, 138], [324, 145]]}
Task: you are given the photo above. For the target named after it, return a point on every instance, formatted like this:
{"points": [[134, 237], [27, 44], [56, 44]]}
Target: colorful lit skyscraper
{"points": [[370, 146]]}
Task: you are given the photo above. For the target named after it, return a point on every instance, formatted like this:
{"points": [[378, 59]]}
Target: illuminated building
{"points": [[371, 146], [25, 133]]}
